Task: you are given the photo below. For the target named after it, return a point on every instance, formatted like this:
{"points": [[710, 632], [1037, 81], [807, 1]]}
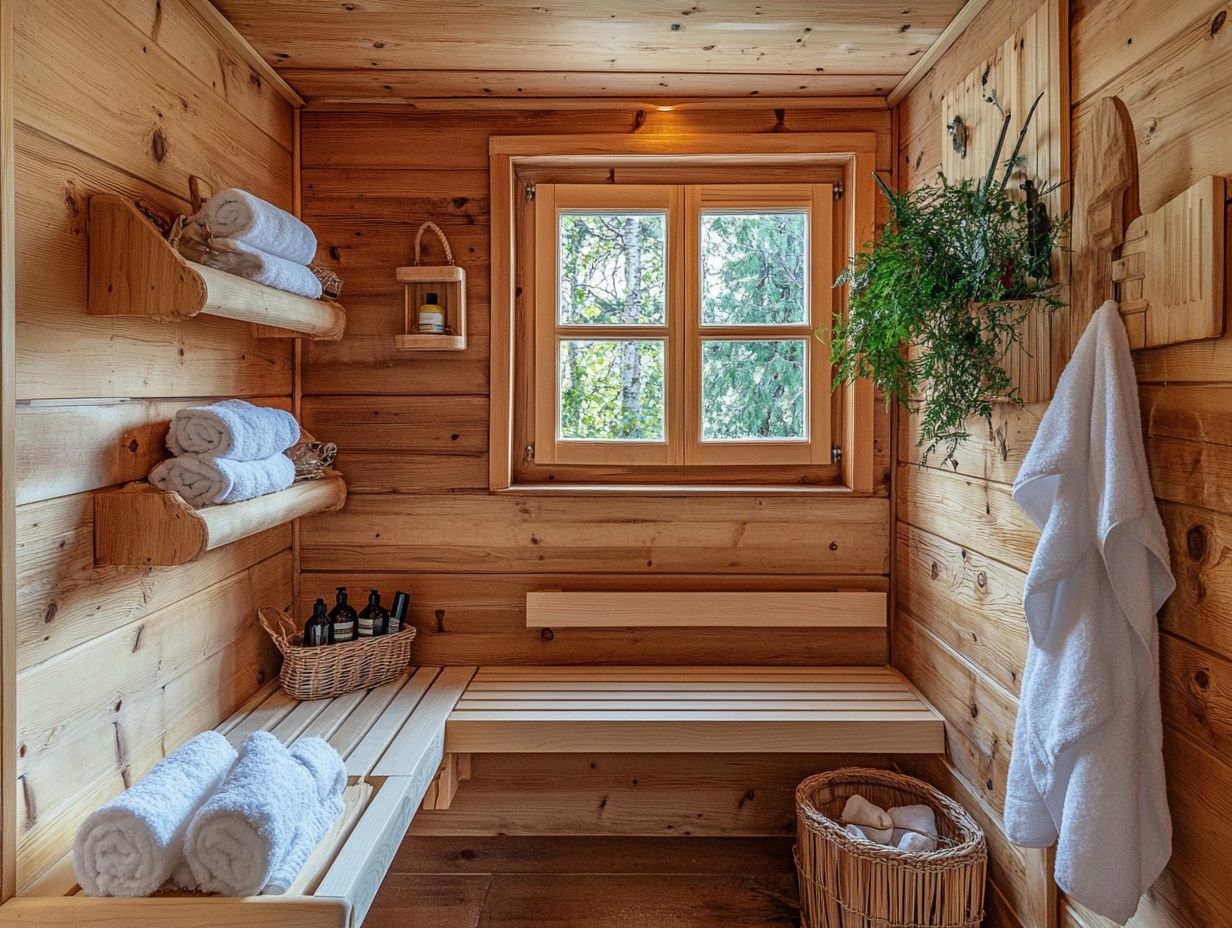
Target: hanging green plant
{"points": [[938, 301]]}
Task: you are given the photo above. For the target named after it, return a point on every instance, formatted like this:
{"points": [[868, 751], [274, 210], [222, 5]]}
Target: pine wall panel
{"points": [[963, 547], [119, 665]]}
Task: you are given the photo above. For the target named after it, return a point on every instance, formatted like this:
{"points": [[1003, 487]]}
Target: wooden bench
{"points": [[409, 742], [686, 710], [392, 738]]}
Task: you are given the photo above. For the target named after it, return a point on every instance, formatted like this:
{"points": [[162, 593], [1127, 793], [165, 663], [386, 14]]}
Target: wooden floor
{"points": [[593, 882]]}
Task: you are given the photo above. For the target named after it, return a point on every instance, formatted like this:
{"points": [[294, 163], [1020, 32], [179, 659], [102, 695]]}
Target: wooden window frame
{"points": [[849, 157]]}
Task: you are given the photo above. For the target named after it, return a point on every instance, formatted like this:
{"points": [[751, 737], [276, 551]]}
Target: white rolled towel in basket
{"points": [[132, 845]]}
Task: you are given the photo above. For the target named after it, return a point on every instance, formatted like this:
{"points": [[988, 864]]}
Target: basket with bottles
{"points": [[342, 650]]}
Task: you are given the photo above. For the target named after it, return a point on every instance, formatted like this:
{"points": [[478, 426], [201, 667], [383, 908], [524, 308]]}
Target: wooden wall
{"points": [[963, 546], [117, 666], [413, 429]]}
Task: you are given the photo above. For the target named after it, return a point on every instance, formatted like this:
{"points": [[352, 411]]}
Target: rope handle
{"points": [[279, 626], [439, 234]]}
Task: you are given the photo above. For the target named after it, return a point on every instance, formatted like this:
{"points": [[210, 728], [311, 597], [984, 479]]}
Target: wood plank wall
{"points": [[117, 666], [963, 547], [412, 429], [413, 433]]}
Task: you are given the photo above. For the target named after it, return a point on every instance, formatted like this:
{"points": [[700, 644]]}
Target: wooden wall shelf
{"points": [[134, 271], [141, 525], [449, 282]]}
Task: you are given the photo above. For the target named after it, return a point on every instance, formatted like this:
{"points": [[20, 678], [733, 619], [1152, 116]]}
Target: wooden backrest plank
{"points": [[845, 609]]}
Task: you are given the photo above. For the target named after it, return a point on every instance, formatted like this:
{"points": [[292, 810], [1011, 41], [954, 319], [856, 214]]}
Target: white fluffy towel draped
{"points": [[1087, 767]]}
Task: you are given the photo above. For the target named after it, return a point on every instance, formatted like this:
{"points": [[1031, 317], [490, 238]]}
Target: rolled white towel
{"points": [[873, 820], [133, 844], [232, 429], [204, 481], [249, 834], [329, 773], [856, 832], [919, 820], [251, 263], [912, 843], [239, 215]]}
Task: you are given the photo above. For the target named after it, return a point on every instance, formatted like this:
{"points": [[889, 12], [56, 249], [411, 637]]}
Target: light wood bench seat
{"points": [[392, 739], [408, 743], [692, 709]]}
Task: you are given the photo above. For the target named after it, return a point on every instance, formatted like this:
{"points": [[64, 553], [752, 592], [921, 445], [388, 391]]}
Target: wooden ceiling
{"points": [[662, 50]]}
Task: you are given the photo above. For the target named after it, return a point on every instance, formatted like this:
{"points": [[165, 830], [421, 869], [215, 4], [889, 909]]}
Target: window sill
{"points": [[640, 489]]}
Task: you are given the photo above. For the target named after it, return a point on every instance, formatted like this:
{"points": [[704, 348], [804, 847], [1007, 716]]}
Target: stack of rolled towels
{"points": [[912, 829], [206, 818], [228, 452], [238, 232]]}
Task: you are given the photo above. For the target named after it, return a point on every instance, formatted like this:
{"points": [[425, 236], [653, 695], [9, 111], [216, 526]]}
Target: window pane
{"points": [[754, 269], [613, 268], [754, 390], [611, 390]]}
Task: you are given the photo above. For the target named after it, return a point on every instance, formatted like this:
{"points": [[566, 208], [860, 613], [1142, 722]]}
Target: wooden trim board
{"points": [[8, 476], [555, 609], [926, 61]]}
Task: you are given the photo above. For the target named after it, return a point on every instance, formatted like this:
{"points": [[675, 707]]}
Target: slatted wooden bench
{"points": [[392, 738], [409, 742], [687, 710]]}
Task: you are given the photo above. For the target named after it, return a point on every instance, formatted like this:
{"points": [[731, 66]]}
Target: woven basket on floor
{"points": [[331, 670], [845, 883]]}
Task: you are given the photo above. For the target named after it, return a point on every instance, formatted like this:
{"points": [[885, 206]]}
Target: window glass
{"points": [[613, 268], [754, 268], [611, 390], [754, 390]]}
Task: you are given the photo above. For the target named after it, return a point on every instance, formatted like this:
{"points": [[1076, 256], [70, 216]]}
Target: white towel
{"points": [[1087, 764], [871, 819], [244, 260], [243, 217], [917, 821], [329, 773], [133, 844], [204, 481], [249, 835], [233, 429]]}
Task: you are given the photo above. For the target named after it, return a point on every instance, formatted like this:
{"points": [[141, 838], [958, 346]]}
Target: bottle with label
{"points": [[397, 615], [373, 619], [342, 619], [431, 316], [318, 631]]}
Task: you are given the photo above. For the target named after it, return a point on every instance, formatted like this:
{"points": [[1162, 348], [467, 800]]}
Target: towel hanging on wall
{"points": [[1087, 767]]}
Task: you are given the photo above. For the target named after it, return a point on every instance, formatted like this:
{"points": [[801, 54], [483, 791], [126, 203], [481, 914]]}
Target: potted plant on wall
{"points": [[939, 300]]}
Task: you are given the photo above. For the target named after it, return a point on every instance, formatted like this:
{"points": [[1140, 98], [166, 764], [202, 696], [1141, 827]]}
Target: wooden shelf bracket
{"points": [[141, 525], [134, 271]]}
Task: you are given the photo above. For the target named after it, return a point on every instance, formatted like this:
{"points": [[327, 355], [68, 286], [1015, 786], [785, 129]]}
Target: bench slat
{"points": [[361, 865], [406, 751]]}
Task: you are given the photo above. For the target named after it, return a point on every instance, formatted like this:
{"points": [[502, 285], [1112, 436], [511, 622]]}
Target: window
{"points": [[650, 330], [674, 324]]}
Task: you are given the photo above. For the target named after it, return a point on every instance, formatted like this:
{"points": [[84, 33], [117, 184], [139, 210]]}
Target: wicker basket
{"points": [[845, 883], [319, 673]]}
